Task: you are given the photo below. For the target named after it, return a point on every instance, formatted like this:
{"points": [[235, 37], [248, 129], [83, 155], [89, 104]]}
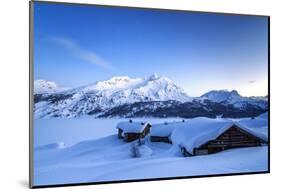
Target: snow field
{"points": [[88, 150]]}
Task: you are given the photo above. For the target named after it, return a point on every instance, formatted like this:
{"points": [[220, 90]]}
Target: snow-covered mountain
{"points": [[222, 95], [43, 86], [233, 97], [107, 94], [149, 96], [128, 90]]}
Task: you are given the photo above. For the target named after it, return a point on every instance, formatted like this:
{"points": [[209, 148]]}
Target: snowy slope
{"points": [[91, 163]]}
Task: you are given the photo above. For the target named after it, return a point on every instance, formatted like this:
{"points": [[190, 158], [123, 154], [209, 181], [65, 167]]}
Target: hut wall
{"points": [[160, 139], [132, 136], [232, 138], [201, 151]]}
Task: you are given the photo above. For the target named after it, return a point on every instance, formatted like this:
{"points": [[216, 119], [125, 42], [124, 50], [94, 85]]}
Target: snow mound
{"points": [[140, 151], [145, 151]]}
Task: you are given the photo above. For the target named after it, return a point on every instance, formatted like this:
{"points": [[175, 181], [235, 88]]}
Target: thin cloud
{"points": [[79, 52]]}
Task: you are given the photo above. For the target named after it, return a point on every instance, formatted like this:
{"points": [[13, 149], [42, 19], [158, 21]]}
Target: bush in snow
{"points": [[135, 153], [138, 151]]}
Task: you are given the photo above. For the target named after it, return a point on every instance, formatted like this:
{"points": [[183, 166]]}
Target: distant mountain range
{"points": [[153, 96]]}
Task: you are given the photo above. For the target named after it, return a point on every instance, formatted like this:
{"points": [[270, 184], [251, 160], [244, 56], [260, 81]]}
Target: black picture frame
{"points": [[31, 79]]}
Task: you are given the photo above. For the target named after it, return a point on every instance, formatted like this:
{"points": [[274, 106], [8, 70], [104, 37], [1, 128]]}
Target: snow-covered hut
{"points": [[131, 130], [162, 132], [205, 136]]}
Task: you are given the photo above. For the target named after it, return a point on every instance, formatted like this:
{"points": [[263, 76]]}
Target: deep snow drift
{"points": [[88, 150]]}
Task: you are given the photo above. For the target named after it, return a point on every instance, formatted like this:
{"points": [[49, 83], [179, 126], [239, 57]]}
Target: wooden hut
{"points": [[231, 136], [130, 131], [162, 132]]}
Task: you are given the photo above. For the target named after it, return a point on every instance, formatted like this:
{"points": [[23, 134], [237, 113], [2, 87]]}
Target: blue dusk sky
{"points": [[76, 45]]}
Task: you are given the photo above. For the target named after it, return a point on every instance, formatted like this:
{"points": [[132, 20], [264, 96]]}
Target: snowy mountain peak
{"points": [[234, 98], [127, 90], [221, 95], [118, 91], [117, 82], [153, 77], [234, 92], [125, 96], [159, 78], [43, 86], [152, 88], [118, 79]]}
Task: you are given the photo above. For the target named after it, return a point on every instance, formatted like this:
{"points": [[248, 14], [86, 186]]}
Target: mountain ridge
{"points": [[120, 91]]}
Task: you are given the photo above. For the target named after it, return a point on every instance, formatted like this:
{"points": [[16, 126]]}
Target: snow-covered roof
{"points": [[257, 126], [199, 131], [132, 127], [165, 129], [261, 132], [196, 132]]}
